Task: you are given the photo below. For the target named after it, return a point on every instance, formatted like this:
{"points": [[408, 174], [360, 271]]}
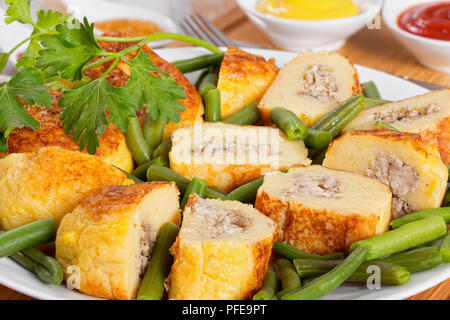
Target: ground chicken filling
{"points": [[216, 147], [147, 241], [319, 83], [406, 114], [400, 177], [316, 186], [218, 221]]}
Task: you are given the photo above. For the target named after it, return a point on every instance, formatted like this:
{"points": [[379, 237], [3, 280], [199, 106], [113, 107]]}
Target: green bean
{"points": [[246, 116], [384, 125], [209, 82], [444, 248], [130, 176], [289, 123], [346, 118], [306, 281], [247, 192], [289, 277], [152, 286], [420, 215], [197, 186], [53, 274], [213, 194], [417, 260], [212, 106], [158, 173], [34, 267], [48, 267], [406, 237], [217, 189], [141, 171], [331, 280], [290, 252], [41, 231], [319, 157], [331, 118], [318, 139], [390, 273], [136, 142], [200, 78], [370, 90], [163, 149], [153, 131], [269, 287], [201, 62], [369, 103]]}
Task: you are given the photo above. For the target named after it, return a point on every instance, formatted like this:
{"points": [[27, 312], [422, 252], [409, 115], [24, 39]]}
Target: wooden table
{"points": [[372, 48]]}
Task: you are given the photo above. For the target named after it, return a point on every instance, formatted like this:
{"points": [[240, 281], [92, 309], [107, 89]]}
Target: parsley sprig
{"points": [[60, 49]]}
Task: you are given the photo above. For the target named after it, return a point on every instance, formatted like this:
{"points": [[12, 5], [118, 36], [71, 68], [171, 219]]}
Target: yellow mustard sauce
{"points": [[308, 9]]}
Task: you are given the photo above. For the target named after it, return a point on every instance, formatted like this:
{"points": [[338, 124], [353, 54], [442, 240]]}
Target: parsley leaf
{"points": [[161, 94], [18, 10], [27, 84], [46, 23], [69, 50], [85, 111]]}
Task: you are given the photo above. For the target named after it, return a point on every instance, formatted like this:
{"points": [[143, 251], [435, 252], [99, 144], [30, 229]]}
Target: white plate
{"points": [[392, 88]]}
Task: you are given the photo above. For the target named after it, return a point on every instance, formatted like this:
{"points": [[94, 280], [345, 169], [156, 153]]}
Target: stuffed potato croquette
{"points": [[222, 251], [323, 211], [109, 236], [408, 164], [49, 183]]}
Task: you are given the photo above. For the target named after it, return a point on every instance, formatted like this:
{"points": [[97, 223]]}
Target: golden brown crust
{"points": [[49, 183], [276, 208], [120, 76], [443, 139], [261, 254], [243, 78], [325, 232], [112, 147], [237, 64], [315, 231], [115, 198], [320, 232]]}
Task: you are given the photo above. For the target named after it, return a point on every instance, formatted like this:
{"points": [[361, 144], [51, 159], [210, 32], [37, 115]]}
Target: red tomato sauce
{"points": [[430, 20]]}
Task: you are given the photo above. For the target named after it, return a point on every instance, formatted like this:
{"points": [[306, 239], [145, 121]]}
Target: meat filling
{"points": [[214, 147], [316, 186], [148, 238], [218, 221], [406, 114], [319, 83], [400, 177]]}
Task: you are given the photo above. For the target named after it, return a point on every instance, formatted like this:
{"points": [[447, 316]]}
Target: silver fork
{"points": [[197, 26]]}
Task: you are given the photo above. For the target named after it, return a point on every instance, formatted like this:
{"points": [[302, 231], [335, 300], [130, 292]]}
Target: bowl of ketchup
{"points": [[423, 27]]}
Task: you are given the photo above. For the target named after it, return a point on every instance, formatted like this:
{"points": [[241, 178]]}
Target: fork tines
{"points": [[197, 26]]}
